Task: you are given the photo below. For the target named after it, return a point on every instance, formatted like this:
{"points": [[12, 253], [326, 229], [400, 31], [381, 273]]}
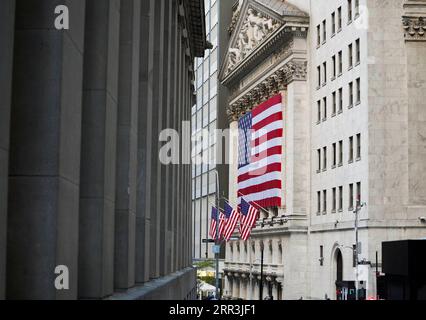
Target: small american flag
{"points": [[260, 154], [213, 224], [232, 218], [248, 220]]}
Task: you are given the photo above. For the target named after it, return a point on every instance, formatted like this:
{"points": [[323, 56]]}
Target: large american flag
{"points": [[261, 154]]}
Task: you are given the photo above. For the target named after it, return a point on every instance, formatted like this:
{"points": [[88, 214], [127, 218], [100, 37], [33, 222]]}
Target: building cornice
{"points": [[414, 20]]}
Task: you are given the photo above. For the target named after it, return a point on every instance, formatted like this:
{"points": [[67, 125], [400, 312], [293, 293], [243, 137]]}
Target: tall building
{"points": [[83, 195], [207, 117], [351, 77]]}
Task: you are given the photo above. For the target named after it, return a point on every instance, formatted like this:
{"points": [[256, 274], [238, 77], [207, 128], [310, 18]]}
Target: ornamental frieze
{"points": [[278, 81], [414, 28]]}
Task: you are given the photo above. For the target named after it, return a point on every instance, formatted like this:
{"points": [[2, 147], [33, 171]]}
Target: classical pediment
{"points": [[253, 24]]}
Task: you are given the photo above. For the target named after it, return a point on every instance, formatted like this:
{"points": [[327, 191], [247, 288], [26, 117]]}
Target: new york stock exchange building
{"points": [[349, 77]]}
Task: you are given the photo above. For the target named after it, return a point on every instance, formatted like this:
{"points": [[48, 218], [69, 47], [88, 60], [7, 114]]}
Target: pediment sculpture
{"points": [[255, 28]]}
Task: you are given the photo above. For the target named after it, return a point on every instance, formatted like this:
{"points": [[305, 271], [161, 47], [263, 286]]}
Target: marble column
{"points": [[45, 141], [143, 216], [127, 142], [98, 157], [7, 23]]}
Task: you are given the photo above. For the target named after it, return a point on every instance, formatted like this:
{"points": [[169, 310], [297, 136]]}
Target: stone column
{"points": [[147, 38], [98, 158], [7, 23], [45, 139], [127, 139]]}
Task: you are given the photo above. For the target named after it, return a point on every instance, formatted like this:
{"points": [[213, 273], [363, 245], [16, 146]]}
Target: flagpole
{"points": [[217, 240], [260, 207]]}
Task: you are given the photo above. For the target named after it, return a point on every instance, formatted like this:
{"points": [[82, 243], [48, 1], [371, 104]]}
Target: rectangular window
{"points": [[324, 103], [334, 204], [340, 100], [324, 208], [358, 91], [350, 55], [334, 66], [319, 111], [339, 19], [340, 63], [351, 94], [351, 149], [358, 146], [324, 31], [324, 66], [358, 193], [349, 11], [319, 160], [340, 199], [351, 197], [356, 8], [334, 106], [340, 153], [358, 51], [319, 76], [319, 202], [333, 23], [321, 256], [334, 155], [324, 165], [318, 35]]}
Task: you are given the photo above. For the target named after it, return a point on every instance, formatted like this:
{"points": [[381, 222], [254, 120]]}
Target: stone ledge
{"points": [[176, 286]]}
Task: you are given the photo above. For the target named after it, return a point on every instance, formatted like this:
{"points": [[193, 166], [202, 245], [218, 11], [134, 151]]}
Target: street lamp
{"points": [[359, 206]]}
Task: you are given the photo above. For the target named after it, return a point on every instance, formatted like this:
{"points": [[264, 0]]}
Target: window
{"points": [[358, 91], [321, 256], [324, 67], [340, 199], [324, 165], [319, 111], [319, 76], [340, 153], [324, 102], [340, 63], [318, 35], [358, 146], [350, 55], [324, 209], [334, 67], [318, 202], [319, 160], [340, 100], [358, 51], [351, 94], [351, 197], [339, 19], [351, 149], [356, 8], [334, 204], [349, 11], [358, 193], [324, 31], [354, 256], [333, 23], [334, 155], [334, 107]]}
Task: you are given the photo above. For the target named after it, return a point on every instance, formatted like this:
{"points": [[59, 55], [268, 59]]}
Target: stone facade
{"points": [[354, 133], [81, 184]]}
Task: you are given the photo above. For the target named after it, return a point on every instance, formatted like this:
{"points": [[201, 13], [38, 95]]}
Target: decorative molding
{"points": [[414, 28], [414, 20], [295, 70]]}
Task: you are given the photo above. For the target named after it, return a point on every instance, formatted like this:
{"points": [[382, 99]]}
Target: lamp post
{"points": [[359, 206], [217, 240], [262, 248]]}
